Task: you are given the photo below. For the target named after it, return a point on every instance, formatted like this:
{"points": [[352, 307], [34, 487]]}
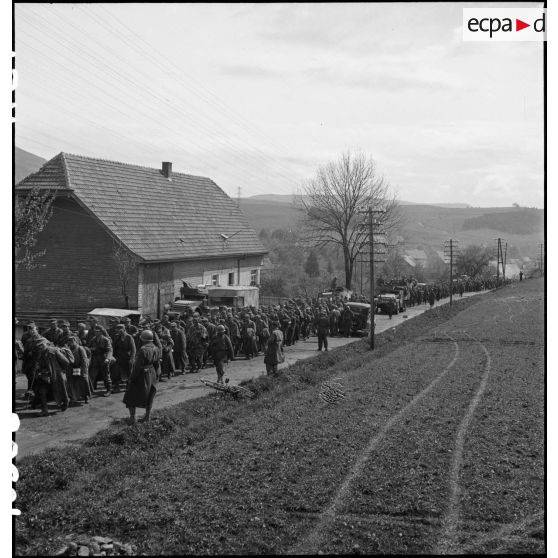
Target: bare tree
{"points": [[32, 211], [126, 264], [335, 202]]}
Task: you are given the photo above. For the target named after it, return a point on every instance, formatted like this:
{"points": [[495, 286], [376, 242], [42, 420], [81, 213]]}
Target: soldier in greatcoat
{"points": [[249, 347], [50, 377], [221, 351], [179, 349], [167, 344], [124, 352], [196, 343], [274, 350], [211, 333], [78, 372], [334, 318], [142, 384], [234, 332], [347, 321], [101, 359], [322, 329]]}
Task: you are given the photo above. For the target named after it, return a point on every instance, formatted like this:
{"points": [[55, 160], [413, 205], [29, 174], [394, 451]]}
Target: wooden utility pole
{"points": [[373, 254], [371, 242], [498, 260], [450, 249], [504, 260]]}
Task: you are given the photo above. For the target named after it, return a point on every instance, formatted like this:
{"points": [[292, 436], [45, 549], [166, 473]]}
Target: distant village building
{"points": [[175, 227]]}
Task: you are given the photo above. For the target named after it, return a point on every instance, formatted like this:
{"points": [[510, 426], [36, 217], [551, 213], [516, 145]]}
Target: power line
{"points": [[235, 165], [175, 105]]}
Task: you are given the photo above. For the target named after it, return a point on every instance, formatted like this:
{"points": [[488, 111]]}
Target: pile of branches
{"points": [[235, 391]]}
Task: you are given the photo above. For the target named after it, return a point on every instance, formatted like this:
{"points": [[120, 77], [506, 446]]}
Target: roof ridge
{"points": [[129, 164]]}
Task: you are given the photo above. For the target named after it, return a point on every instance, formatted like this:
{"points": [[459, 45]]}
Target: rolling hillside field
{"points": [[422, 225]]}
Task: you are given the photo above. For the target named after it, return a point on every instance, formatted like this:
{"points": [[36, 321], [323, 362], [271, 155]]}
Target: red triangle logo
{"points": [[519, 25]]}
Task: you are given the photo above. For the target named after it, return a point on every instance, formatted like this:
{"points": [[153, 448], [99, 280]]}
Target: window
{"points": [[215, 280], [231, 278], [254, 277]]}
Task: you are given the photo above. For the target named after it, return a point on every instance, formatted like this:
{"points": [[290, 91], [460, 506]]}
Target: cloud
{"points": [[247, 70]]}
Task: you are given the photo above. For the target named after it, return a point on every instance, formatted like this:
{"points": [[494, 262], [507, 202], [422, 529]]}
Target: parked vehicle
{"points": [[102, 315], [386, 300], [361, 318]]}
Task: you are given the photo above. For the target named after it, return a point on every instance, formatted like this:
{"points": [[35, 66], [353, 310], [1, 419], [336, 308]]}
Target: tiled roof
{"points": [[156, 218]]}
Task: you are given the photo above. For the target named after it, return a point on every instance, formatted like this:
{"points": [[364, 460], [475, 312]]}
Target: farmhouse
{"points": [[123, 234]]}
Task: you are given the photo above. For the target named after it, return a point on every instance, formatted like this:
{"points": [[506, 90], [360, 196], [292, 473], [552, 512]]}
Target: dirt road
{"points": [[38, 433]]}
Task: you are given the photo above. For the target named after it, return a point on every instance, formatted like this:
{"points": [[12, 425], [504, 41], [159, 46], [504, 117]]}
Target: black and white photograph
{"points": [[279, 278]]}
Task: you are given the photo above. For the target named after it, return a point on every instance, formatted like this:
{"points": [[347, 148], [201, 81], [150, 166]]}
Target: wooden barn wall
{"points": [[77, 271], [168, 277]]}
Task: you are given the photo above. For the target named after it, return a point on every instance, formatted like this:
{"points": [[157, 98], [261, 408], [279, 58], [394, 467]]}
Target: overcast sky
{"points": [[258, 96]]}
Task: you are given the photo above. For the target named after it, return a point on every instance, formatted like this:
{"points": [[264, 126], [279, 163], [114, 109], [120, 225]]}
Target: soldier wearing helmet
{"points": [[142, 385], [221, 350]]}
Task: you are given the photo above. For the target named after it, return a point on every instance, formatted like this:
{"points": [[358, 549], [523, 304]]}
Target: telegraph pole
{"points": [[373, 254], [371, 242], [450, 249], [504, 260], [499, 259]]}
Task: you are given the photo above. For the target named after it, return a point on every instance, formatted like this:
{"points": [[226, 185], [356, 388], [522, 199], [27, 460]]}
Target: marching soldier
{"points": [[142, 385], [124, 352], [179, 349], [221, 350], [101, 359]]}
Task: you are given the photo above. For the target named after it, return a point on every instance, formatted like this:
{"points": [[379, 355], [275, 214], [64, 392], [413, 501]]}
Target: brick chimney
{"points": [[167, 170]]}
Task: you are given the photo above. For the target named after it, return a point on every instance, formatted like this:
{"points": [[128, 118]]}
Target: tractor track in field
{"points": [[447, 543], [451, 527], [311, 541]]}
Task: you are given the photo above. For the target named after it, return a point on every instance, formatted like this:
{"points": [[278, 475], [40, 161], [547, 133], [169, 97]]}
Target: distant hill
{"points": [[26, 163], [517, 221], [423, 225], [285, 198]]}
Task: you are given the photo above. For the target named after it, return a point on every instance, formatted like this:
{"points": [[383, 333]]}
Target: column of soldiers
{"points": [[68, 366]]}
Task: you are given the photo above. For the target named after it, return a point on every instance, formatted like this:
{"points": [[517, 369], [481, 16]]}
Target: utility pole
{"points": [[450, 247], [505, 259], [373, 253], [499, 259], [371, 242], [541, 261]]}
